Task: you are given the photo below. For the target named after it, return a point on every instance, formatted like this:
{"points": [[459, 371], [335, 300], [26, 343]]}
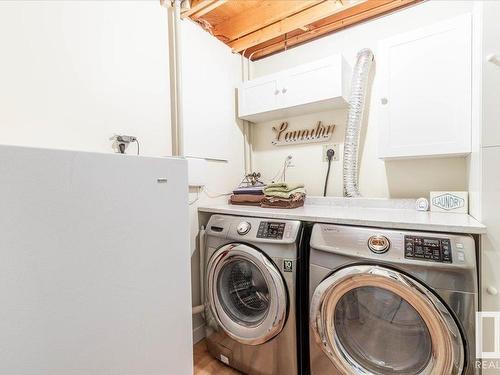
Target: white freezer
{"points": [[94, 264]]}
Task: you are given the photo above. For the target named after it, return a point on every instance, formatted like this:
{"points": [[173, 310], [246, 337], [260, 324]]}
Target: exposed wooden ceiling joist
{"points": [[362, 12], [265, 13], [296, 21], [258, 28], [200, 8]]}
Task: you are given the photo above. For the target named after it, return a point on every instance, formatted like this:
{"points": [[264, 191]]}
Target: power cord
{"points": [[281, 175], [215, 195], [329, 155], [190, 203], [138, 146]]}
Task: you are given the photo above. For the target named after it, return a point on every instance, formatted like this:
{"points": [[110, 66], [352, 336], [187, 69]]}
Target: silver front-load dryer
{"points": [[250, 293], [391, 302]]}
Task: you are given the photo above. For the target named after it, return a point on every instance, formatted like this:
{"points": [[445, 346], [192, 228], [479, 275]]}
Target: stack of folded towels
{"points": [[250, 195], [283, 195]]}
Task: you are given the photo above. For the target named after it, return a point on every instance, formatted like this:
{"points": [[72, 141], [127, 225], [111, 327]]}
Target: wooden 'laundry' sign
{"points": [[319, 133]]}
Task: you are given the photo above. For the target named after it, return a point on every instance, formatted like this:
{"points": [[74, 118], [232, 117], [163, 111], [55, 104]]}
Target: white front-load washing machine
{"points": [[391, 302], [250, 293]]}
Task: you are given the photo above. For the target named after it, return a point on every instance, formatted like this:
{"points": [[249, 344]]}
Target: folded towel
{"points": [[254, 190], [285, 194], [246, 199], [296, 200], [282, 187]]}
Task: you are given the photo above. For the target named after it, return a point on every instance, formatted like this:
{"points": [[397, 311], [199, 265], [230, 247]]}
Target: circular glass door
{"points": [[246, 294], [373, 320], [243, 292]]}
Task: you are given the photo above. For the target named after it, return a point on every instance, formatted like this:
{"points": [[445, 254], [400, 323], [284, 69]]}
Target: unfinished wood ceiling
{"points": [[258, 28]]}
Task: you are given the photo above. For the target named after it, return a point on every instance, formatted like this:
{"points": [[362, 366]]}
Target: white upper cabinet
{"points": [[260, 95], [425, 91], [308, 88]]}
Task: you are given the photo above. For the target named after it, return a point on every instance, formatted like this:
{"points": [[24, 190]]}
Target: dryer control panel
{"points": [[428, 248], [271, 229], [251, 229]]}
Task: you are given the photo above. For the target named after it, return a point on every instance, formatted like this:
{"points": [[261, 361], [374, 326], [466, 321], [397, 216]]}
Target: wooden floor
{"points": [[205, 364]]}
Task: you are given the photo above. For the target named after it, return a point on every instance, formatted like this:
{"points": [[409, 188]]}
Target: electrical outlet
{"points": [[335, 147]]}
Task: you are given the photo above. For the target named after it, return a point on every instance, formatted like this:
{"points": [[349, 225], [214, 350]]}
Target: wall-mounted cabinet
{"points": [[313, 87], [425, 91], [484, 177]]}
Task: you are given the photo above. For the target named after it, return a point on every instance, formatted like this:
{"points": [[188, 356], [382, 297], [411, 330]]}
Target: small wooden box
{"points": [[450, 201]]}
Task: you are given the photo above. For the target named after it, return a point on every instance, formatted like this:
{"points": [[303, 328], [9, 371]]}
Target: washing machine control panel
{"points": [[271, 229], [428, 248]]}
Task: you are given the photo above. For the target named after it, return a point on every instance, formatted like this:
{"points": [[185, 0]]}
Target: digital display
{"points": [[431, 249], [272, 230], [431, 242]]}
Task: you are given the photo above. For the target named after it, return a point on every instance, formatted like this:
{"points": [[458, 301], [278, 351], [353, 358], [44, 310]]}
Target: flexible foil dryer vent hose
{"points": [[356, 106]]}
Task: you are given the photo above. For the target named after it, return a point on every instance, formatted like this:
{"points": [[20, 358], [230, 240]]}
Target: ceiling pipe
{"points": [[175, 57], [247, 131]]}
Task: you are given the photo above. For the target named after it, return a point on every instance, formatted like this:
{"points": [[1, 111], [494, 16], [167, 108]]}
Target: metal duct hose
{"points": [[356, 106]]}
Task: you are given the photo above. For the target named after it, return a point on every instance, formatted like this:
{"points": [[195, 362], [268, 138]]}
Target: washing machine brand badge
{"points": [[287, 265]]}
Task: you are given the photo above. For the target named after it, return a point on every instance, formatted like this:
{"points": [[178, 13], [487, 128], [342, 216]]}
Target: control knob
{"points": [[379, 244], [243, 228]]}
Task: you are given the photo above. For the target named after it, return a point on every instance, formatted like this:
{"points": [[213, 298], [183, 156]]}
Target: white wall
{"points": [[210, 74], [397, 179], [73, 73]]}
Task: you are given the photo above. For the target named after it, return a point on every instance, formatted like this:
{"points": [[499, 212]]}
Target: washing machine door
{"points": [[246, 294], [374, 320]]}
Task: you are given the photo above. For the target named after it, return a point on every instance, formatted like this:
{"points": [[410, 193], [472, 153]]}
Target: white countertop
{"points": [[398, 218]]}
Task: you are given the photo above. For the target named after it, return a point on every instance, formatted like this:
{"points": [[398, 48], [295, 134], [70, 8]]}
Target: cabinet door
{"points": [[491, 73], [313, 83], [425, 87], [491, 242], [258, 96]]}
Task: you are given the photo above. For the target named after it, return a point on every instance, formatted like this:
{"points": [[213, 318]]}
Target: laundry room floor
{"points": [[205, 364]]}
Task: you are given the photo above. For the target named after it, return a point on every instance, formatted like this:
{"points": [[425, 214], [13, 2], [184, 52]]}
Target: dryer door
{"points": [[246, 294], [374, 320]]}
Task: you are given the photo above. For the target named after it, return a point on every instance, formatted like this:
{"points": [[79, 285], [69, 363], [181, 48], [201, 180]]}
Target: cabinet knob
{"points": [[492, 290], [384, 101], [284, 90], [276, 92]]}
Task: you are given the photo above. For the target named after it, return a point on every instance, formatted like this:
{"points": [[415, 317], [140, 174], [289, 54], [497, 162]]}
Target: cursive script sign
{"points": [[320, 133]]}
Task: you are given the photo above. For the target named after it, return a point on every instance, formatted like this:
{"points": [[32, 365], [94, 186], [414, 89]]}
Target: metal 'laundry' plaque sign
{"points": [[449, 201], [284, 136]]}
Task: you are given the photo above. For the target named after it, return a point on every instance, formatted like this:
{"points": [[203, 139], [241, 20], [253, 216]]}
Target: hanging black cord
{"points": [[329, 155]]}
